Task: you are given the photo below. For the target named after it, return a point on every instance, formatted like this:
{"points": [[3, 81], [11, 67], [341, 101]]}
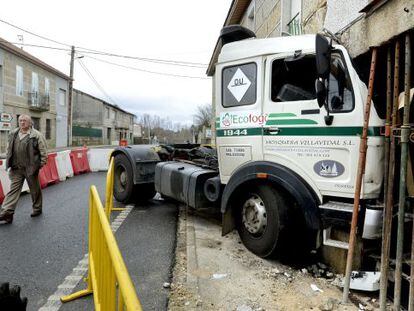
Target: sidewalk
{"points": [[218, 273]]}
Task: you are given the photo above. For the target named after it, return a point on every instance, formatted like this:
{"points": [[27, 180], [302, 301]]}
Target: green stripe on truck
{"points": [[301, 131]]}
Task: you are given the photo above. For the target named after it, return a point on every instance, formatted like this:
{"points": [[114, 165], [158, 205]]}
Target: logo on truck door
{"points": [[329, 168], [242, 119]]}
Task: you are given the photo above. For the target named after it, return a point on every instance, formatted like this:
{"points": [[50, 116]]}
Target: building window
{"points": [[36, 123], [19, 80], [294, 24], [62, 97], [48, 129], [47, 87], [107, 112], [17, 120], [108, 133], [35, 83]]}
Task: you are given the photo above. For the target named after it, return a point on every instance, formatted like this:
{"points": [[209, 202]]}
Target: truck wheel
{"points": [[144, 192], [260, 219], [123, 179]]}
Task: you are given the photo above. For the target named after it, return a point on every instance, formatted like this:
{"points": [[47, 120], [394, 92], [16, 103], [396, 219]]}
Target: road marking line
{"points": [[53, 302]]}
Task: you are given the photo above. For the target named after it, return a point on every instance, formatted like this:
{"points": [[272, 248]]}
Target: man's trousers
{"points": [[17, 177]]}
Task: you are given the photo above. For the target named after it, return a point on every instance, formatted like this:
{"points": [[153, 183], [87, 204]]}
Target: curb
{"points": [[192, 260]]}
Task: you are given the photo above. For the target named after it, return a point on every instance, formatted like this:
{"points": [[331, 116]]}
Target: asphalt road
{"points": [[38, 253]]}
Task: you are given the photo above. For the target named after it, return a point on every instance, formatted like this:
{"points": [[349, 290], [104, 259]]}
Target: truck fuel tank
{"points": [[183, 182]]}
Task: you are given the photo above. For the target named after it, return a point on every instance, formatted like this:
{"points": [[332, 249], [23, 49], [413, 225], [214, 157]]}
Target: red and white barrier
{"points": [[99, 159], [61, 165], [79, 161], [64, 165], [5, 180]]}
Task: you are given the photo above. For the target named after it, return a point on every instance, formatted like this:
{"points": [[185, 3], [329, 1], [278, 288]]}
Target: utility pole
{"points": [[72, 59]]}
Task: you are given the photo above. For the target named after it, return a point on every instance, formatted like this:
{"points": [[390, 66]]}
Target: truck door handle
{"points": [[271, 130]]}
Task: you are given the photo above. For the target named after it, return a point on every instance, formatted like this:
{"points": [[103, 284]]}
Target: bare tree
{"points": [[203, 116]]}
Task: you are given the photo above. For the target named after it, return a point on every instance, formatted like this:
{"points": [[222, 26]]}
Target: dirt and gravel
{"points": [[212, 272]]}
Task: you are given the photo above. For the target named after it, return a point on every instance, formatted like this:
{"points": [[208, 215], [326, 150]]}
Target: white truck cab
{"points": [[271, 127], [289, 115]]}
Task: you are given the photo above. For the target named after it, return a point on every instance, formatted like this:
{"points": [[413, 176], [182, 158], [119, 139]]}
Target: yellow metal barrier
{"points": [[108, 277], [109, 202]]}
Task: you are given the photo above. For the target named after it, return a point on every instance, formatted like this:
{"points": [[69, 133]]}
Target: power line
{"points": [[35, 45], [159, 61], [95, 81], [92, 51], [153, 60], [104, 61], [32, 33], [147, 71]]}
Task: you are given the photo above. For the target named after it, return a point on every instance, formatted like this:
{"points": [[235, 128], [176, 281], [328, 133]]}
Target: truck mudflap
{"points": [[279, 176], [183, 182], [143, 159]]}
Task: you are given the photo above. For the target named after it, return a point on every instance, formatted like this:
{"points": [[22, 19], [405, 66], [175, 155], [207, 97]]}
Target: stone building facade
{"points": [[356, 24], [30, 86], [97, 122]]}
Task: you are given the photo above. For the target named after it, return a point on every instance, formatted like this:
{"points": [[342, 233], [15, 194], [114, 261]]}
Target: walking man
{"points": [[26, 154]]}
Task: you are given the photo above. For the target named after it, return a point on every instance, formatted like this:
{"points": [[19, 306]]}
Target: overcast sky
{"points": [[181, 30]]}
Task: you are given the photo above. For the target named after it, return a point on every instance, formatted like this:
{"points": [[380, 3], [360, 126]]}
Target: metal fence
{"points": [[108, 277]]}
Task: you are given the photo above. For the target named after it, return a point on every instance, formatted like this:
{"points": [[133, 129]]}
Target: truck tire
{"points": [[261, 218], [123, 180]]}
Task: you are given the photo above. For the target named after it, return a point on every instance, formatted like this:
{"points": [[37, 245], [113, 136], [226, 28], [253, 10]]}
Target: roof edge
{"points": [[11, 48], [103, 102]]}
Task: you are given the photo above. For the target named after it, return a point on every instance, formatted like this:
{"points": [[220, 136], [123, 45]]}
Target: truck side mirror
{"points": [[323, 56], [321, 97], [320, 92]]}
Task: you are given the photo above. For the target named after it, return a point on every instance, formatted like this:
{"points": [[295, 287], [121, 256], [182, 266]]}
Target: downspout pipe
{"points": [[405, 134], [389, 172]]}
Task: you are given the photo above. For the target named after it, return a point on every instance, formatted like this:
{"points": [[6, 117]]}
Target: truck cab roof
{"points": [[258, 47]]}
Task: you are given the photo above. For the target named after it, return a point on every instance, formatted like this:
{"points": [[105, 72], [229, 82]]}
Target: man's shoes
{"points": [[36, 213], [7, 218]]}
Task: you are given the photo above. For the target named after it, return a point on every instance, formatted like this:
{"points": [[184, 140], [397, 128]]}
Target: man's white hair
{"points": [[29, 118]]}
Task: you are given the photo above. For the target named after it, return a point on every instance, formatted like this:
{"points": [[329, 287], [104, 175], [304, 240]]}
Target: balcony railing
{"points": [[295, 27], [38, 102]]}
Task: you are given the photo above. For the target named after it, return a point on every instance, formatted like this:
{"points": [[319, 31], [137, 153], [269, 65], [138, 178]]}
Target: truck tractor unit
{"points": [[289, 114]]}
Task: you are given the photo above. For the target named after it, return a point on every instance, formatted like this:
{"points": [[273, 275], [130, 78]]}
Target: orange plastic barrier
{"points": [[1, 193], [51, 162], [79, 159], [44, 177], [123, 142], [48, 174]]}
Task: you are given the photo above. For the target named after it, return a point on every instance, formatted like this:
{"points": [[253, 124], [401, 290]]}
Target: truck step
{"points": [[337, 206], [331, 242]]}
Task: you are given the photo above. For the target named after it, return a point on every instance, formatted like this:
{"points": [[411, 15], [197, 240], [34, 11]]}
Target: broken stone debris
{"points": [[218, 276], [316, 288], [329, 305]]}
